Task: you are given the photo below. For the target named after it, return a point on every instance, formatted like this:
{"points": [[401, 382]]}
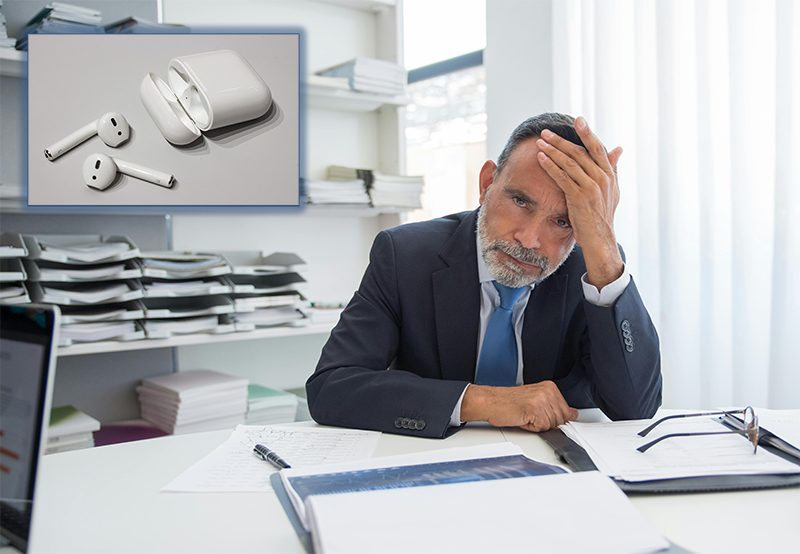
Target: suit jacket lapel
{"points": [[542, 329], [457, 305]]}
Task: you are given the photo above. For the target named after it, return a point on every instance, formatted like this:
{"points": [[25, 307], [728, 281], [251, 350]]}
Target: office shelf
{"points": [[366, 5], [334, 98], [189, 340], [13, 63]]}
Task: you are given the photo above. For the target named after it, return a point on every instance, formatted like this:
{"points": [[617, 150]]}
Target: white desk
{"points": [[107, 499]]}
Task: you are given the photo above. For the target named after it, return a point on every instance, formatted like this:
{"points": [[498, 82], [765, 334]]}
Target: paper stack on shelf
{"points": [[12, 273], [396, 191], [194, 401], [320, 312], [267, 406], [70, 429], [100, 331], [267, 290], [61, 18], [353, 191], [135, 25], [122, 311], [185, 294], [370, 75], [5, 41]]}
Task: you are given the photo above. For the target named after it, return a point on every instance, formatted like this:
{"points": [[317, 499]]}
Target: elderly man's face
{"points": [[523, 225]]}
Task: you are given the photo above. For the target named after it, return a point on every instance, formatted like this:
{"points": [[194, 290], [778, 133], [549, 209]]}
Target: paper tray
{"points": [[35, 251], [578, 460]]}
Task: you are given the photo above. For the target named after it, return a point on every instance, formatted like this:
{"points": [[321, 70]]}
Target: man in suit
{"points": [[496, 315]]}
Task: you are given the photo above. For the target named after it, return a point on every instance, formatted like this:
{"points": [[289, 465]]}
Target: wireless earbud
{"points": [[99, 171], [112, 128]]}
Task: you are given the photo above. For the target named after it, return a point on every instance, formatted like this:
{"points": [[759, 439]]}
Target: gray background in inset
{"points": [[75, 79]]}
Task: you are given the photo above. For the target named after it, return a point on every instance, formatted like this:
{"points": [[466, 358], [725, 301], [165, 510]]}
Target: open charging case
{"points": [[205, 91]]}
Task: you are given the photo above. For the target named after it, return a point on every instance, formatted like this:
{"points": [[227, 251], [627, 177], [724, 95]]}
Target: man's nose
{"points": [[529, 235]]}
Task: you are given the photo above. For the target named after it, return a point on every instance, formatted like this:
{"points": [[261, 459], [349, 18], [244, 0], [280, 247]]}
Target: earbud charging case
{"points": [[206, 91]]}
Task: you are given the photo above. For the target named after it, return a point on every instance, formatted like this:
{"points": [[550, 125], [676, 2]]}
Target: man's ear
{"points": [[486, 178]]}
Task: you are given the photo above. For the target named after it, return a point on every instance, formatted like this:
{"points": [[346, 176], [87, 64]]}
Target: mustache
{"points": [[527, 255]]}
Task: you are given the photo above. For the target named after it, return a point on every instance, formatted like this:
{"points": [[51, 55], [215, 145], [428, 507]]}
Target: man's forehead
{"points": [[524, 174]]}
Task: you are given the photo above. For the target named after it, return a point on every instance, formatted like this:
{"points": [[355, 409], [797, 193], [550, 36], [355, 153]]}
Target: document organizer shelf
{"points": [[188, 340]]}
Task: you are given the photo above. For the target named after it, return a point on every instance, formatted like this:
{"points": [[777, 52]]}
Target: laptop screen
{"points": [[27, 362]]}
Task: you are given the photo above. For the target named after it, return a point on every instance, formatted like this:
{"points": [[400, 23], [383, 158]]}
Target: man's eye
{"points": [[563, 223], [519, 202]]}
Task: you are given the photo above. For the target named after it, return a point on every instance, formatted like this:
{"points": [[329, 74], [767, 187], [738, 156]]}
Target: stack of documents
{"points": [[353, 191], [61, 18], [352, 507], [370, 75], [612, 448], [396, 191], [100, 331], [183, 265], [266, 406], [70, 429], [134, 25], [88, 293], [324, 313], [123, 311], [253, 262], [5, 41], [12, 272], [80, 249], [194, 401], [42, 270], [171, 289]]}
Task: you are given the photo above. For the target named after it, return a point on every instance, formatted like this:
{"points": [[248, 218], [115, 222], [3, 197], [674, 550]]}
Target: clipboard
{"points": [[577, 459]]}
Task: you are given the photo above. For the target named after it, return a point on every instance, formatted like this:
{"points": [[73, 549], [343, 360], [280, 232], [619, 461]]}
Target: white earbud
{"points": [[112, 128], [99, 171]]}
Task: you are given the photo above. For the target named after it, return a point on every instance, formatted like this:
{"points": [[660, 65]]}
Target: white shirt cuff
{"points": [[610, 292], [455, 417]]}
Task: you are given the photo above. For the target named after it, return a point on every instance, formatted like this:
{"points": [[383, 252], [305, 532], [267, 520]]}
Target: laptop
{"points": [[28, 346]]}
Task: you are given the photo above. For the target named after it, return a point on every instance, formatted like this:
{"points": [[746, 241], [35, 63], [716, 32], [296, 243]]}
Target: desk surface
{"points": [[108, 499]]}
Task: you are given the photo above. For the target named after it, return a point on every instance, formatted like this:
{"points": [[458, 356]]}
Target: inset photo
{"points": [[163, 120]]}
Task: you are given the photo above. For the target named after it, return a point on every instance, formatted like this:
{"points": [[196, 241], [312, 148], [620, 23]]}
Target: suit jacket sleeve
{"points": [[619, 368], [353, 385]]}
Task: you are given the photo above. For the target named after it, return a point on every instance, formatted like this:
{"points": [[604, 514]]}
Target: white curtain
{"points": [[704, 96]]}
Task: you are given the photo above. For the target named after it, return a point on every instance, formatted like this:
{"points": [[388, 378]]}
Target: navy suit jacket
{"points": [[417, 313]]}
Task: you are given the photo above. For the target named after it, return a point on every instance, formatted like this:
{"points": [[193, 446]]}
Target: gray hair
{"points": [[561, 124]]}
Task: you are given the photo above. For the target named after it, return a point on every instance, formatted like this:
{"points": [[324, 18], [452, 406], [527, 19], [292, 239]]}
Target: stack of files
{"points": [[167, 328], [266, 406], [323, 313], [370, 75], [250, 302], [61, 18], [183, 265], [194, 401], [70, 429], [385, 191], [12, 275], [123, 331], [353, 191], [5, 41], [122, 311], [86, 294], [271, 317], [134, 25], [353, 506], [80, 249], [253, 262], [169, 308], [676, 464], [266, 284], [43, 270], [154, 288]]}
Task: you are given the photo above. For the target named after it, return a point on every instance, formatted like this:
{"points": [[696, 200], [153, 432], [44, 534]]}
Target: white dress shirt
{"points": [[490, 300]]}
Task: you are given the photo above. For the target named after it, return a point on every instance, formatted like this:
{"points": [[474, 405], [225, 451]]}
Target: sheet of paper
{"points": [[234, 468], [585, 512], [612, 447]]}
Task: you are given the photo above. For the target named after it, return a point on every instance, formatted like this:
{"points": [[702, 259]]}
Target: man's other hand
{"points": [[537, 407]]}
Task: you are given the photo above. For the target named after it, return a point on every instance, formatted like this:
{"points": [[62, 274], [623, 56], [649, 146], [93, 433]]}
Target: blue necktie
{"points": [[497, 365]]}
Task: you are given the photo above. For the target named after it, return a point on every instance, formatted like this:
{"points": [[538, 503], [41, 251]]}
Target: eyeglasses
{"points": [[750, 428]]}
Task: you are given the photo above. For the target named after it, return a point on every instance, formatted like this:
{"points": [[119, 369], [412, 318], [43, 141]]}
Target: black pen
{"points": [[269, 456]]}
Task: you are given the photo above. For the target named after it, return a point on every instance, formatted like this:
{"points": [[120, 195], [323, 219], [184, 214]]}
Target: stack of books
{"points": [[70, 429], [353, 191], [370, 75], [61, 18], [194, 401], [5, 41], [95, 281], [385, 191], [266, 406]]}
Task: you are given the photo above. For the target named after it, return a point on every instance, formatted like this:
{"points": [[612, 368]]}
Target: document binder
{"points": [[578, 460]]}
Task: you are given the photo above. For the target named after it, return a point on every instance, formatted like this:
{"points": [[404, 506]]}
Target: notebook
{"points": [[28, 345]]}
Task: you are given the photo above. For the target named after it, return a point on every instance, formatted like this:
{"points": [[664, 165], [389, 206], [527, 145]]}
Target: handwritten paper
{"points": [[234, 468]]}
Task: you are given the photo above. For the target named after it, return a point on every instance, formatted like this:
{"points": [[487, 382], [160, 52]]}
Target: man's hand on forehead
{"points": [[588, 177]]}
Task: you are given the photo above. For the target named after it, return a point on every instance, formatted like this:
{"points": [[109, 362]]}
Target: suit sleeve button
{"points": [[420, 424], [626, 326], [398, 422]]}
